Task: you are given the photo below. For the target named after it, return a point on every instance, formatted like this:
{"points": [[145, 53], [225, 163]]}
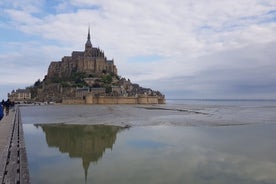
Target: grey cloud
{"points": [[241, 73], [196, 60]]}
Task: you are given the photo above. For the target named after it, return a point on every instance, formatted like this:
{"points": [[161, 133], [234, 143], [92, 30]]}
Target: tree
{"points": [[37, 83], [107, 79]]}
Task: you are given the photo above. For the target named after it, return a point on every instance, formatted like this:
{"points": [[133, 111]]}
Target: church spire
{"points": [[88, 36], [88, 44]]}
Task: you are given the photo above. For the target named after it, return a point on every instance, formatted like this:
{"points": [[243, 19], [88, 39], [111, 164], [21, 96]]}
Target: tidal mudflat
{"points": [[151, 115], [161, 144]]}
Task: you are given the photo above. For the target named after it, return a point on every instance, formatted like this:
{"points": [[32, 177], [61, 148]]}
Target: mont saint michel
{"points": [[87, 77]]}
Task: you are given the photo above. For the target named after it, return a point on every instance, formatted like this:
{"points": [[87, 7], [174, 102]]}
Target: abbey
{"points": [[90, 61], [87, 77]]}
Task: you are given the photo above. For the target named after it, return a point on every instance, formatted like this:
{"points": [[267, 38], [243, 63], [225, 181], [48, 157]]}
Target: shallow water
{"points": [[151, 154], [184, 141]]}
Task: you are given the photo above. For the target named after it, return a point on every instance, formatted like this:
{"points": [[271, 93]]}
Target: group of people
{"points": [[5, 106]]}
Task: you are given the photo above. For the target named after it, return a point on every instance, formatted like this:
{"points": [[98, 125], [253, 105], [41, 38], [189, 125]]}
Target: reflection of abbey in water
{"points": [[82, 141]]}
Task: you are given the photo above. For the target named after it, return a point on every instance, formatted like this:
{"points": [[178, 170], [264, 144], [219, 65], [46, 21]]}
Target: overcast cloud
{"points": [[186, 49]]}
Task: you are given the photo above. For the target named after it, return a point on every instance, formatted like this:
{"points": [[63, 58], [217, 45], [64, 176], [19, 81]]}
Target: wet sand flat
{"points": [[149, 115]]}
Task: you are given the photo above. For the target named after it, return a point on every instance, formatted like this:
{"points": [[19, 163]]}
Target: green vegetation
{"points": [[33, 89], [78, 76], [65, 84], [37, 83], [75, 80], [56, 80], [107, 79], [60, 86]]}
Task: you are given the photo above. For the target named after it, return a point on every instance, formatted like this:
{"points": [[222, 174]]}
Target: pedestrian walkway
{"points": [[13, 157], [6, 125]]}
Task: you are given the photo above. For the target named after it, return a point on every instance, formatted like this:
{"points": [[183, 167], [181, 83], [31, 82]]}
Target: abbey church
{"points": [[91, 61], [88, 77]]}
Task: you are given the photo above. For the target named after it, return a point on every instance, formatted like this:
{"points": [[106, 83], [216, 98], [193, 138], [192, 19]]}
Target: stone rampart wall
{"points": [[73, 101], [114, 100]]}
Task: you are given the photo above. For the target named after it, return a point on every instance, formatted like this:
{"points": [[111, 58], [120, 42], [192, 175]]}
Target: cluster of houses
{"points": [[20, 95], [124, 89]]}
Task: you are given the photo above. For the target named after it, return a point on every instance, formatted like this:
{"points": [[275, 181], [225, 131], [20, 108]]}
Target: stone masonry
{"points": [[92, 60]]}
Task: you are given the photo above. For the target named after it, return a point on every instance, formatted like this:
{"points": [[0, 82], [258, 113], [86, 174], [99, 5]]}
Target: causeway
{"points": [[13, 157]]}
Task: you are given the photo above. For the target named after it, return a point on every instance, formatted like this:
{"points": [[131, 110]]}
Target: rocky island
{"points": [[87, 77]]}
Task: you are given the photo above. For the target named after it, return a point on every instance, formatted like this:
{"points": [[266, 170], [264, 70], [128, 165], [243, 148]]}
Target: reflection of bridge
{"points": [[87, 142]]}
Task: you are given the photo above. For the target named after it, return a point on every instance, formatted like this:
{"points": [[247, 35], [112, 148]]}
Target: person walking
{"points": [[7, 106], [1, 111]]}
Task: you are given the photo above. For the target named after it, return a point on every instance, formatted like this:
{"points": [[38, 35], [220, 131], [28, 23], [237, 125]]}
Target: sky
{"points": [[206, 49]]}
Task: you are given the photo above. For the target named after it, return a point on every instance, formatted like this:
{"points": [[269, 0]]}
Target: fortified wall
{"points": [[115, 100]]}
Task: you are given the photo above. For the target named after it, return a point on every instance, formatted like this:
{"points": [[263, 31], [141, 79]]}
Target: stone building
{"points": [[20, 95], [90, 61], [82, 92]]}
